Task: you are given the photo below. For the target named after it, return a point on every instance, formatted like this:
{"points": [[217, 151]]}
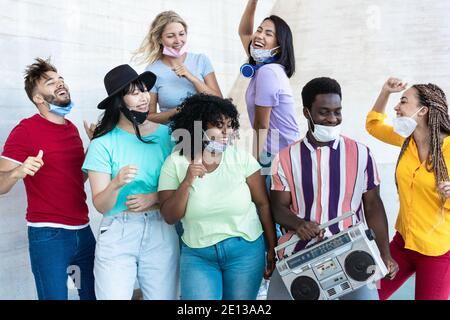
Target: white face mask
{"points": [[325, 133], [405, 126], [261, 55]]}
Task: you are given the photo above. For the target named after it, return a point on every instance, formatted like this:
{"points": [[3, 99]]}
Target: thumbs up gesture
{"points": [[30, 167]]}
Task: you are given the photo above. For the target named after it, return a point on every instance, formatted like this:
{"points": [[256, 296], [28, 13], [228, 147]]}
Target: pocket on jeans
{"points": [[106, 225], [37, 234]]}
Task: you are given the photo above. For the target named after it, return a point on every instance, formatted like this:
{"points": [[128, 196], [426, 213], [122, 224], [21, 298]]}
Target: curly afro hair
{"points": [[206, 109]]}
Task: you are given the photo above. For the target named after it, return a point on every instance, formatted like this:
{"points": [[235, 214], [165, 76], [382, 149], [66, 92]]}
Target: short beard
{"points": [[51, 99]]}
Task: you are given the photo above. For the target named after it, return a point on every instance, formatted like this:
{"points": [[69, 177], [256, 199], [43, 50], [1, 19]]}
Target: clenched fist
{"points": [[307, 230], [393, 85], [195, 169]]}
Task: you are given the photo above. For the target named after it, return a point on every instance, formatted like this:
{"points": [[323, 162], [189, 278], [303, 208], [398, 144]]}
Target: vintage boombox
{"points": [[333, 267]]}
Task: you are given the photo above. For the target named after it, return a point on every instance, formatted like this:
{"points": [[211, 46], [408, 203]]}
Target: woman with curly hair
{"points": [[218, 192], [422, 242]]}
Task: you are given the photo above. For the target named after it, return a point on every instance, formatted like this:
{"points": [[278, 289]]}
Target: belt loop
{"points": [[125, 216]]}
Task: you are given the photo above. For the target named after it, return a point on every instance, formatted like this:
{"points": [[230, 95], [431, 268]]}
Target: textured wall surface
{"points": [[358, 44], [85, 40]]}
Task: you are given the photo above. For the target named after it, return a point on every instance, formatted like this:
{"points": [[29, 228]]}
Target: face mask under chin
{"points": [[262, 55], [60, 110], [405, 126], [324, 133], [214, 146], [135, 116]]}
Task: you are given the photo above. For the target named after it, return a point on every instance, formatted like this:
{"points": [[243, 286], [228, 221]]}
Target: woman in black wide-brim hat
{"points": [[123, 163]]}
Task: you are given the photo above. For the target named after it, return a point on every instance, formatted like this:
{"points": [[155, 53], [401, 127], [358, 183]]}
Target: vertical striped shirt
{"points": [[325, 182]]}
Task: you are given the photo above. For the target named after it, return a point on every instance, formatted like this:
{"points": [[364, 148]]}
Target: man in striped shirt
{"points": [[323, 176]]}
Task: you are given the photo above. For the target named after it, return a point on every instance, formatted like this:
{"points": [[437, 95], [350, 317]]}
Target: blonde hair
{"points": [[151, 47]]}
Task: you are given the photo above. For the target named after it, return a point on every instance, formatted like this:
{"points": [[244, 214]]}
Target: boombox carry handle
{"points": [[295, 237]]}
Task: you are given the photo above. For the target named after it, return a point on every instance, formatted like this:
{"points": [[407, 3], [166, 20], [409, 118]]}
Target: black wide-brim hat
{"points": [[120, 77]]}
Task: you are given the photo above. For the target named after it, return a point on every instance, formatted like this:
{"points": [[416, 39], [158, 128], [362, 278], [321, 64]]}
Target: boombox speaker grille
{"points": [[359, 265], [305, 288]]}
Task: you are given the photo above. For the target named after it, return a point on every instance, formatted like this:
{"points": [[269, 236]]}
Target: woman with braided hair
{"points": [[422, 242]]}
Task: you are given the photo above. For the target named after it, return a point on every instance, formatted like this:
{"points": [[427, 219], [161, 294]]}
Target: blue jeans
{"points": [[230, 270], [56, 253], [136, 245]]}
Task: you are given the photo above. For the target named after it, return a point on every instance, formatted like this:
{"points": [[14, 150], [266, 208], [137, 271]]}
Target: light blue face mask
{"points": [[214, 146], [261, 55], [60, 111]]}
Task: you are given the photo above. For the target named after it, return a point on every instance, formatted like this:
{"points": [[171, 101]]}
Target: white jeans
{"points": [[131, 245]]}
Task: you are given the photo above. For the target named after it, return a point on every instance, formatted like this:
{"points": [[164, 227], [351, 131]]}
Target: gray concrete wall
{"points": [[85, 40], [361, 44]]}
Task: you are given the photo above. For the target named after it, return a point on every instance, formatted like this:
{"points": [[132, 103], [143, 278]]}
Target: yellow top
{"points": [[420, 219]]}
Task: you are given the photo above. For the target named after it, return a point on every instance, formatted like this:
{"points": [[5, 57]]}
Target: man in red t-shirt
{"points": [[47, 153]]}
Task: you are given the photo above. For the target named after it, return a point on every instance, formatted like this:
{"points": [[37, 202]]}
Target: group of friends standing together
{"points": [[198, 221]]}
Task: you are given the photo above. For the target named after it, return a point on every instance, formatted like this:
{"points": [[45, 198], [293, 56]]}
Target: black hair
{"points": [[317, 86], [111, 116], [208, 109], [285, 56]]}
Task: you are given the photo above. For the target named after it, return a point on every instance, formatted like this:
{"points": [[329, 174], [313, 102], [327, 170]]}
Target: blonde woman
{"points": [[179, 73]]}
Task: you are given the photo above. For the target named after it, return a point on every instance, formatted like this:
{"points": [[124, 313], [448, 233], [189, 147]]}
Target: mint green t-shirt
{"points": [[220, 204], [119, 148]]}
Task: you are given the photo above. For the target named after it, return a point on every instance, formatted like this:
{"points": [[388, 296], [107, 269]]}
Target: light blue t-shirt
{"points": [[171, 89], [119, 148]]}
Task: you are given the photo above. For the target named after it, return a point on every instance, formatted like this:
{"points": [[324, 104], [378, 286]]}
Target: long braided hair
{"points": [[431, 96]]}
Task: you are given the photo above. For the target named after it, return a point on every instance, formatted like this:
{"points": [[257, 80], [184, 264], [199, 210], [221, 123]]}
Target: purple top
{"points": [[270, 88]]}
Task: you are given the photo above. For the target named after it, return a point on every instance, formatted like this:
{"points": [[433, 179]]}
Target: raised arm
{"points": [[392, 85], [246, 24], [375, 125]]}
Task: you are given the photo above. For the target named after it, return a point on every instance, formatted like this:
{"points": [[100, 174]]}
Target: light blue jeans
{"points": [[141, 246], [230, 270]]}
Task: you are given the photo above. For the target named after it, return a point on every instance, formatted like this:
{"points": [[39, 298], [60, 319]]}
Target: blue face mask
{"points": [[60, 111], [214, 146]]}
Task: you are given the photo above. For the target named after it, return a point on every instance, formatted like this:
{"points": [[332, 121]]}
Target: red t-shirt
{"points": [[56, 193]]}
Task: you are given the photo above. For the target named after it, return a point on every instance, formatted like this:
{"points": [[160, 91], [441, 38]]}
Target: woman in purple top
{"points": [[270, 103]]}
